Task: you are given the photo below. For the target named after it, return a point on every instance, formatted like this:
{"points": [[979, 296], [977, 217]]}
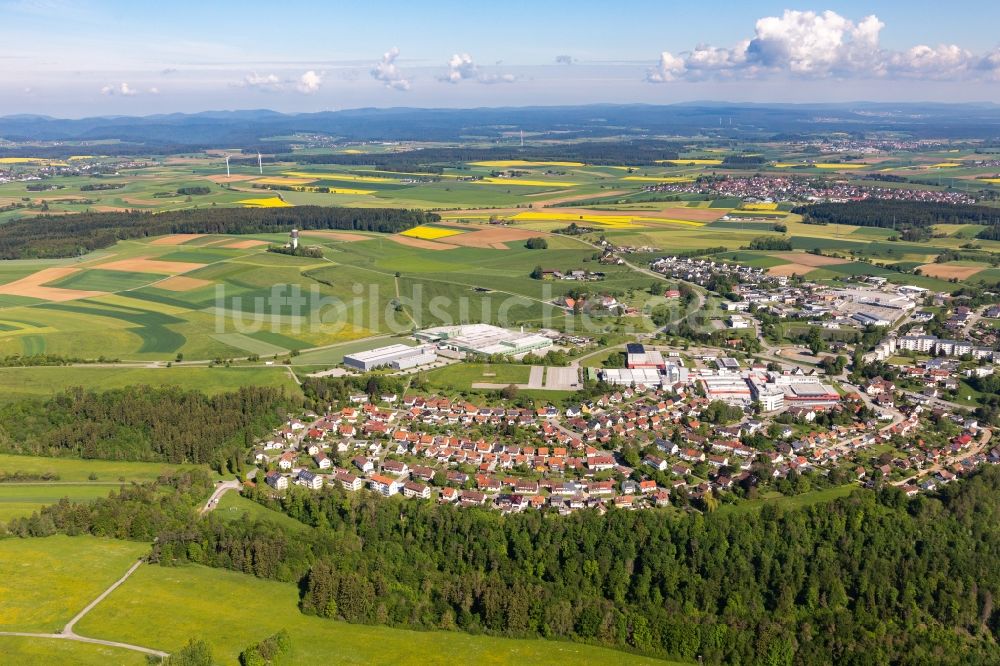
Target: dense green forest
{"points": [[143, 423], [990, 233], [897, 214], [870, 579], [644, 153], [742, 161], [71, 235]]}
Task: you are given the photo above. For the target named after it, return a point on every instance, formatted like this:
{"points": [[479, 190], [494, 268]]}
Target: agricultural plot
{"points": [[947, 271]]}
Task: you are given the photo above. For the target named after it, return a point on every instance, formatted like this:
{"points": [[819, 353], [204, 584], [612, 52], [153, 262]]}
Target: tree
{"points": [[536, 243], [537, 273], [195, 653], [509, 392]]}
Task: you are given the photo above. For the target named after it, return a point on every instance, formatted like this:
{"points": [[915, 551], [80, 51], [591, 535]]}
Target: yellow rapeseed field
{"points": [[504, 164], [763, 205], [993, 181], [429, 233], [271, 202], [661, 179], [838, 165], [36, 161], [946, 165]]}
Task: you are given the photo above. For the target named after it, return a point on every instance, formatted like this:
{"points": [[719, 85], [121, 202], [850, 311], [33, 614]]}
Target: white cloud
{"points": [[490, 79], [309, 82], [154, 91], [564, 60], [267, 82], [944, 61], [122, 89], [668, 69], [990, 64], [461, 67], [385, 70], [818, 45]]}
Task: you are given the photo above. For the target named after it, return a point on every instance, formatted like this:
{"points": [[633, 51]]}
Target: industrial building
{"points": [[399, 357], [730, 389], [645, 359], [669, 374], [870, 319], [803, 390], [633, 377], [484, 339]]}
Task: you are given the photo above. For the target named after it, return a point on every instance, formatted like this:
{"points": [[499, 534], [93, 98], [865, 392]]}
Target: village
{"points": [[639, 446]]}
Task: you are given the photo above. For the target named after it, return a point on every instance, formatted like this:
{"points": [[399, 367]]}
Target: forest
{"points": [[873, 578], [897, 214], [144, 423], [72, 235], [990, 233], [640, 153]]}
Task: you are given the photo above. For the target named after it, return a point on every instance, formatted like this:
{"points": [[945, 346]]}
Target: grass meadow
{"points": [[17, 383], [30, 651], [48, 580]]}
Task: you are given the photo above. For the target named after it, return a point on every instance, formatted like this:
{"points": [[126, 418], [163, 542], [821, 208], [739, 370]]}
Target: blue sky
{"points": [[73, 59]]}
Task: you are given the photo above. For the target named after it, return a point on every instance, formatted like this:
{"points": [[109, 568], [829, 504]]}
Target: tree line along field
{"points": [[31, 482], [163, 607]]}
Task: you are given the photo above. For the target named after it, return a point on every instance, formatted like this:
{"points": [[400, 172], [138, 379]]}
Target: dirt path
{"points": [[69, 634]]}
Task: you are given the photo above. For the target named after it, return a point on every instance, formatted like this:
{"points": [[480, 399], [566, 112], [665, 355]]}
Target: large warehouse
{"points": [[399, 357], [484, 339]]}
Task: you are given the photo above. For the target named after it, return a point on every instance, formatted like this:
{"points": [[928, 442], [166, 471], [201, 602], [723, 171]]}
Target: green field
{"points": [[45, 651], [163, 607], [16, 383], [77, 469], [233, 506], [18, 500], [22, 498], [48, 580], [461, 376], [791, 501]]}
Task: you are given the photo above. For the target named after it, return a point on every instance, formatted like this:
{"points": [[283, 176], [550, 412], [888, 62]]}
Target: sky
{"points": [[83, 58]]}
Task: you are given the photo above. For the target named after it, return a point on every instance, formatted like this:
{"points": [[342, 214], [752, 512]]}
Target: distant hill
{"points": [[733, 120]]}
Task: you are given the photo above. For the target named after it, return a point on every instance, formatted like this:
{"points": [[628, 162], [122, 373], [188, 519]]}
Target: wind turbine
{"points": [[260, 163], [227, 166]]}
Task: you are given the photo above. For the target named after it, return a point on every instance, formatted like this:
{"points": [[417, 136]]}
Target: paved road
{"points": [[220, 490], [69, 634]]}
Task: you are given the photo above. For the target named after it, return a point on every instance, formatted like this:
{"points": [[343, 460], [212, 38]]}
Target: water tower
{"points": [[294, 239]]}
